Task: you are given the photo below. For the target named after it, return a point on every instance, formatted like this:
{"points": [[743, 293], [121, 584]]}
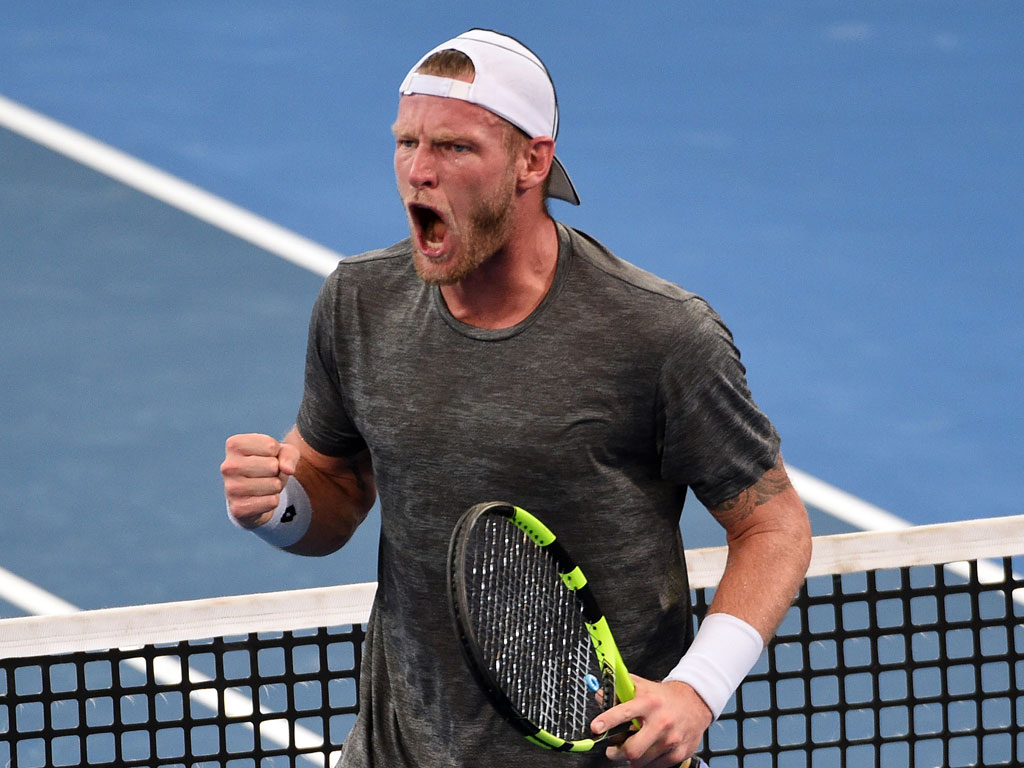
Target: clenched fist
{"points": [[255, 470]]}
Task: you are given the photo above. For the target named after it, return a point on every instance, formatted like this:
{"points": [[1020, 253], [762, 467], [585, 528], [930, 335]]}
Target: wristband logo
{"points": [[289, 514]]}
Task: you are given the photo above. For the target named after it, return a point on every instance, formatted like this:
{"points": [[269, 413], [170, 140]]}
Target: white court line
{"points": [[167, 188], [842, 505], [303, 252], [318, 259], [213, 210], [30, 597]]}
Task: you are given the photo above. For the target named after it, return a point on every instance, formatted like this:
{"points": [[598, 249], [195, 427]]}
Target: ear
{"points": [[534, 162]]}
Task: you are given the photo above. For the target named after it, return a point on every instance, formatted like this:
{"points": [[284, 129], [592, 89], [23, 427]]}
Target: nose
{"points": [[422, 172]]}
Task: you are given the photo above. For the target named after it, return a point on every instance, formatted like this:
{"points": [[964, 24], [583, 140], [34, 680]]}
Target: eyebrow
{"points": [[441, 137], [446, 137]]}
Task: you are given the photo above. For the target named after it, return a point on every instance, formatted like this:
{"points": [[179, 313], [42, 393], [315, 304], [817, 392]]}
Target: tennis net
{"points": [[903, 648]]}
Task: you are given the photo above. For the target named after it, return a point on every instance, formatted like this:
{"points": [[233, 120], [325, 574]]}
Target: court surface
{"points": [[842, 183]]}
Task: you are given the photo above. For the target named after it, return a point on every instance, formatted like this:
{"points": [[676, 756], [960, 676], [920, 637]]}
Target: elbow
{"points": [[805, 551], [327, 538], [794, 549], [801, 540]]}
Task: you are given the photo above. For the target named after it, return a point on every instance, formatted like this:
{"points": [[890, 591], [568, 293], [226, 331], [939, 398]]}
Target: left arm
{"points": [[768, 533], [769, 541]]}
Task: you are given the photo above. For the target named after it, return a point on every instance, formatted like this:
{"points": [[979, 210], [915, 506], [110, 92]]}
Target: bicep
{"points": [[771, 501], [769, 539]]}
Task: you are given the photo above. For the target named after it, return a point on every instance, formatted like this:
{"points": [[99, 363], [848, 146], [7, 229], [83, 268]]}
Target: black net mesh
{"points": [[915, 666], [268, 699]]}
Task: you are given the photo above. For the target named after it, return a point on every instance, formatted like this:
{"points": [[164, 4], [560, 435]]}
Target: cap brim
{"points": [[560, 185]]}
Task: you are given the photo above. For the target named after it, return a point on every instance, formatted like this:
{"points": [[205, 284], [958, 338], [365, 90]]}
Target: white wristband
{"points": [[290, 520], [723, 652]]}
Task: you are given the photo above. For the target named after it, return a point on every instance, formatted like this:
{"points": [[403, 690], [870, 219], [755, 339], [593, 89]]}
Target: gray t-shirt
{"points": [[596, 413]]}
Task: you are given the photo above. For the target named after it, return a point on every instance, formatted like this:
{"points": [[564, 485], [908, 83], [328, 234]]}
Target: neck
{"points": [[507, 287]]}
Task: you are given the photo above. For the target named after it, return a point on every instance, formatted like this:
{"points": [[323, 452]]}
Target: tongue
{"points": [[435, 232]]}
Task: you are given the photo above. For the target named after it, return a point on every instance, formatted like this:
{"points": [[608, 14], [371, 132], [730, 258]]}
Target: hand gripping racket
{"points": [[531, 630]]}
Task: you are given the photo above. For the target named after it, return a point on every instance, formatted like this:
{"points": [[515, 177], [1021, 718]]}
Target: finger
{"points": [[663, 739], [288, 458], [252, 444], [625, 712], [672, 760], [618, 734], [253, 511], [660, 750], [639, 749], [652, 758], [246, 486], [251, 466]]}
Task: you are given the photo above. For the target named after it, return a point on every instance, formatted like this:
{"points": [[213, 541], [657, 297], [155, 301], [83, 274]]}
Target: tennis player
{"points": [[499, 354]]}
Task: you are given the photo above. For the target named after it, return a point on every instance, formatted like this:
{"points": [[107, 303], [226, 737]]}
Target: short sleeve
{"points": [[323, 419], [715, 439]]}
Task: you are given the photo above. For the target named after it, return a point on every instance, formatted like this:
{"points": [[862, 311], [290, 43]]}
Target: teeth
{"points": [[431, 226]]}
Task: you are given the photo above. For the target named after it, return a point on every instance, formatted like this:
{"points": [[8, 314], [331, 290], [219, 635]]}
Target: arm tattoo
{"points": [[742, 505]]}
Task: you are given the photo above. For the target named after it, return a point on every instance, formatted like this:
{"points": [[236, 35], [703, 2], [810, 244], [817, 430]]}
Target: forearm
{"points": [[768, 556], [769, 538], [341, 492], [769, 550]]}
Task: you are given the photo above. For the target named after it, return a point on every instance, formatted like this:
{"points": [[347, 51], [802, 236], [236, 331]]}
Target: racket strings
{"points": [[530, 629]]}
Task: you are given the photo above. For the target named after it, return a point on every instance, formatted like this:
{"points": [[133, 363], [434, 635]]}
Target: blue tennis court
{"points": [[843, 184]]}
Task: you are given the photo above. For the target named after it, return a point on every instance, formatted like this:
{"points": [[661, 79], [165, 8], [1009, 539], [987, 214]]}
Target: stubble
{"points": [[487, 229]]}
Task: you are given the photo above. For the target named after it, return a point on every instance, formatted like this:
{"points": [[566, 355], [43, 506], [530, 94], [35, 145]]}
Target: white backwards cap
{"points": [[511, 82]]}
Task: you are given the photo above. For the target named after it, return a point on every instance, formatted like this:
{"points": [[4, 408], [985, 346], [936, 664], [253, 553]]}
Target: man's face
{"points": [[457, 183]]}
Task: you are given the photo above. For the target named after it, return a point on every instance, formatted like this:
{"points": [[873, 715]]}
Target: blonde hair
{"points": [[449, 63]]}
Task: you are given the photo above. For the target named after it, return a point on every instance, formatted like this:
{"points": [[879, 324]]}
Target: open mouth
{"points": [[431, 228]]}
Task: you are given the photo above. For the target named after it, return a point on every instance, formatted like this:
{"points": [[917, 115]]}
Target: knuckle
{"points": [[633, 750], [251, 444], [231, 464], [234, 444], [664, 721]]}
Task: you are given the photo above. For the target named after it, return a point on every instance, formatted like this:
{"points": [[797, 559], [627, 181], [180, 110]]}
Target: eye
{"points": [[460, 148], [406, 143]]}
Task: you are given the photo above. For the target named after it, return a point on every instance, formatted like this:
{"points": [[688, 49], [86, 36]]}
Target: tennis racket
{"points": [[531, 630]]}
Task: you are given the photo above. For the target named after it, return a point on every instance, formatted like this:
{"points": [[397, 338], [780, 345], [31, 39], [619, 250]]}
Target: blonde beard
{"points": [[488, 229]]}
